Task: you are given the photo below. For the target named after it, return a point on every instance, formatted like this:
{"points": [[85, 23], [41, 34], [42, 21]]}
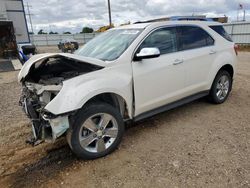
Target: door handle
{"points": [[178, 61], [212, 52]]}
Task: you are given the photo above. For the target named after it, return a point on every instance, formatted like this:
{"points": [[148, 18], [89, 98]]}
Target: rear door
{"points": [[199, 52]]}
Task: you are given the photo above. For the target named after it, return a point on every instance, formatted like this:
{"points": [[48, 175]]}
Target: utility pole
{"points": [[244, 16], [28, 9], [237, 14], [110, 21]]}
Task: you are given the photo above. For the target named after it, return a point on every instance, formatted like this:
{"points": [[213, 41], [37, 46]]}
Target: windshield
{"points": [[109, 45]]}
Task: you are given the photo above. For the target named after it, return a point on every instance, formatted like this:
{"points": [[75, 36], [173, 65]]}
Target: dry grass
{"points": [[244, 48]]}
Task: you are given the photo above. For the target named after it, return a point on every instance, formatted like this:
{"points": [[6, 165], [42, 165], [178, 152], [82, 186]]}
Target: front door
{"points": [[161, 80]]}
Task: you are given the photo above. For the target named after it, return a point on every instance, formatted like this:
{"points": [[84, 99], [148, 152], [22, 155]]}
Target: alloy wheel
{"points": [[98, 132], [222, 87]]}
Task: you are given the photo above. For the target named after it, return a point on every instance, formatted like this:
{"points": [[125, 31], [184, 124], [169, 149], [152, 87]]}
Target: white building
{"points": [[13, 10]]}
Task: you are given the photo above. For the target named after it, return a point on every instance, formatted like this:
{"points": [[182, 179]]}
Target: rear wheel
{"points": [[97, 131], [221, 87]]}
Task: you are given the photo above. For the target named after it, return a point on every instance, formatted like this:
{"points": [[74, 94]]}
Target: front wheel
{"points": [[221, 87], [97, 131]]}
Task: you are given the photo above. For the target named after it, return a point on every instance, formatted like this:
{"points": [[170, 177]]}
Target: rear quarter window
{"points": [[220, 30]]}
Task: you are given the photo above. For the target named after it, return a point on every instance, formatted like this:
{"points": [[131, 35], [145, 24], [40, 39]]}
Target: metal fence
{"points": [[239, 31], [54, 39]]}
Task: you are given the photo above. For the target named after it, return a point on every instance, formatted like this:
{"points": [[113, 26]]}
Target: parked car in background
{"points": [[190, 18], [125, 74], [68, 45], [26, 50]]}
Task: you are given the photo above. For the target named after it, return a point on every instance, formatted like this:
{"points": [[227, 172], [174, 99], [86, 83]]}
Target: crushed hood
{"points": [[36, 58]]}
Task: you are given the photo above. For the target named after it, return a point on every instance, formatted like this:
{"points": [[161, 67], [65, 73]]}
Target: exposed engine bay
{"points": [[57, 69], [41, 85]]}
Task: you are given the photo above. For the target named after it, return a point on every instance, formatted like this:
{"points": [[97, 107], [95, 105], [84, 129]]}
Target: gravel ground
{"points": [[51, 49], [197, 145], [45, 49]]}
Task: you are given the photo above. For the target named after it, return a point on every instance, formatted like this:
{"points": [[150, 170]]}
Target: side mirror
{"points": [[147, 53]]}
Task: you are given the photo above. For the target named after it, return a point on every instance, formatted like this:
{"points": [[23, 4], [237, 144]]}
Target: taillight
{"points": [[236, 48]]}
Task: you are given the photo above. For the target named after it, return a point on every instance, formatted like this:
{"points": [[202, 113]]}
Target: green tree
{"points": [[66, 32], [41, 32], [87, 30], [51, 33]]}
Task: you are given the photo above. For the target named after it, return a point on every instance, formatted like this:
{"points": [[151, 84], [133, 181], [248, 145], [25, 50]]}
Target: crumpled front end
{"points": [[41, 84], [45, 126]]}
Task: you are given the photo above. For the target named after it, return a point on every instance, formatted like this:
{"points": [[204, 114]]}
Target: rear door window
{"points": [[220, 30], [191, 37]]}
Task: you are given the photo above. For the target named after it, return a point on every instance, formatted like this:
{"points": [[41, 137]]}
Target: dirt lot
{"points": [[197, 145], [45, 49], [52, 49]]}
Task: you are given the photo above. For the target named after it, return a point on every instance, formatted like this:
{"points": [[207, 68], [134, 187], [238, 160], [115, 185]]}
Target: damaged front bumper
{"points": [[59, 126], [44, 99], [45, 126]]}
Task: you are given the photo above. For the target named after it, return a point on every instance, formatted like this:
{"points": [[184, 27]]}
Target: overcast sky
{"points": [[72, 15]]}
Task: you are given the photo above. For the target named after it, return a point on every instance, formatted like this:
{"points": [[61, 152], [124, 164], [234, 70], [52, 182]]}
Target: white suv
{"points": [[127, 73]]}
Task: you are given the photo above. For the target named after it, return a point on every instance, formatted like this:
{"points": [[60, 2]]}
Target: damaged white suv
{"points": [[127, 73]]}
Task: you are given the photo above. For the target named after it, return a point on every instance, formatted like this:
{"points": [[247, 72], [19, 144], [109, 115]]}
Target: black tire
{"points": [[213, 92], [76, 45], [84, 114]]}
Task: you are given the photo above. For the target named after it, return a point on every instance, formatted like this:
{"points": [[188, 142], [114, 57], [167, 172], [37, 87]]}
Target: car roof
{"points": [[168, 23]]}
